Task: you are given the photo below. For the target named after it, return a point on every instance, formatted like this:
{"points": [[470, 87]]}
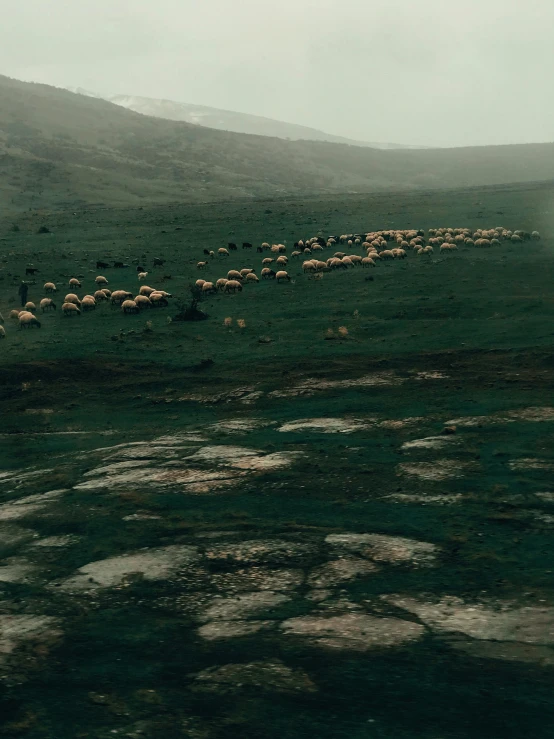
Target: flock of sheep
{"points": [[377, 245], [147, 297]]}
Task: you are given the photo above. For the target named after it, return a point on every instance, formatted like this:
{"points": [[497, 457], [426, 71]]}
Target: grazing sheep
{"points": [[282, 261], [535, 235], [269, 260], [72, 298], [368, 262], [220, 284], [102, 265], [100, 295], [146, 290], [129, 306], [2, 332], [31, 307], [282, 275], [266, 246], [246, 271], [47, 304], [158, 300], [267, 274], [355, 259], [100, 280], [142, 276], [308, 266], [14, 314], [234, 274], [222, 252], [74, 282], [162, 293], [27, 320], [143, 302], [199, 283], [201, 265], [232, 286], [158, 262], [88, 303], [294, 255], [212, 254], [208, 288], [516, 239], [118, 296], [251, 277], [49, 287]]}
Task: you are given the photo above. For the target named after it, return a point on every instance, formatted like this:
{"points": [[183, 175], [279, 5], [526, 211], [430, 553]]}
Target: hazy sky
{"points": [[432, 72]]}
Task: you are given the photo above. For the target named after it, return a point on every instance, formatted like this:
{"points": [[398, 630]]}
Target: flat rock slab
{"points": [[353, 631], [242, 606], [154, 564], [496, 621], [382, 548], [263, 551]]}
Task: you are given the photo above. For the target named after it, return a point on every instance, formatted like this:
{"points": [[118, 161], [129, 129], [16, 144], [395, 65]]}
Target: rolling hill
{"points": [[59, 149]]}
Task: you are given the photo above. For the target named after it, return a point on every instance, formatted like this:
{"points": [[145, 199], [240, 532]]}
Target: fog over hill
{"points": [[61, 149]]}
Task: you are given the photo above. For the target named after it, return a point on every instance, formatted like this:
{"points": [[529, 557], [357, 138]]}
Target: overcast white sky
{"points": [[430, 72]]}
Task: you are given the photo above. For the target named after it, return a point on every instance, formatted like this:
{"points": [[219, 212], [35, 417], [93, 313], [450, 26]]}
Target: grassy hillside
{"points": [[59, 149], [310, 550]]}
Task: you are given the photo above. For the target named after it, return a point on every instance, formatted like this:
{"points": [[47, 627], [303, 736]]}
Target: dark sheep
{"points": [[207, 252], [31, 271], [259, 250], [232, 247], [246, 245], [158, 262], [102, 265]]}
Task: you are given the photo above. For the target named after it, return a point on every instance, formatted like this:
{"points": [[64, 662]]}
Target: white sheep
{"points": [[118, 296], [31, 307], [282, 261], [208, 288], [368, 262], [220, 284], [14, 314], [201, 265], [142, 301], [100, 295], [129, 306], [251, 277], [282, 275], [199, 283], [100, 280], [246, 271], [268, 260], [142, 276], [232, 286], [294, 255], [535, 235], [47, 304], [222, 252], [74, 282], [146, 290], [72, 298], [28, 320], [88, 303], [50, 287], [234, 274], [158, 300]]}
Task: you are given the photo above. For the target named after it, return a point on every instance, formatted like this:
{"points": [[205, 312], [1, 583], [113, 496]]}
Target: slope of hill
{"points": [[60, 149], [228, 120]]}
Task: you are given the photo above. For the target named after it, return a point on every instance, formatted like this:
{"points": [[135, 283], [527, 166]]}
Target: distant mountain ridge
{"points": [[229, 120]]}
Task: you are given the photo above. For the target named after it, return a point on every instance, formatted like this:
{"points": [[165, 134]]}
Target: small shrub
{"points": [[241, 323], [43, 230], [228, 322], [330, 334], [343, 332]]}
